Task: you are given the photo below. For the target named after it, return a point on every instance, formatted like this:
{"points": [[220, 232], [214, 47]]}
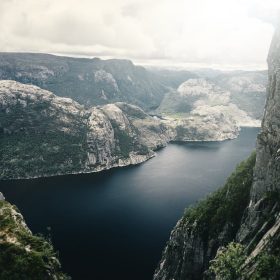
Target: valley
{"points": [[123, 217], [139, 140], [197, 120]]}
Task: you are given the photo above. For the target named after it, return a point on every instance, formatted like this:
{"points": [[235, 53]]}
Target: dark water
{"points": [[114, 225]]}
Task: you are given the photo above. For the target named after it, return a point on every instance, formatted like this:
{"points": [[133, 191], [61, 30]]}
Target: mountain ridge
{"points": [[88, 81]]}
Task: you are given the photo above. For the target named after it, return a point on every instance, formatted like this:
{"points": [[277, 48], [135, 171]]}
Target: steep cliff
{"points": [[22, 254], [246, 210], [205, 227], [260, 230], [42, 134]]}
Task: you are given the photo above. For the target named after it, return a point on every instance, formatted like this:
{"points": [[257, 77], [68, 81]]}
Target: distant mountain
{"points": [[240, 96], [98, 82], [247, 90], [91, 81], [172, 78]]}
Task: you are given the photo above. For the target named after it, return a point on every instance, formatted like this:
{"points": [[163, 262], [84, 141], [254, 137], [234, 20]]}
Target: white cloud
{"points": [[234, 33]]}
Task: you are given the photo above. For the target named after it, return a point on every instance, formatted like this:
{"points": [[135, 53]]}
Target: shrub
{"points": [[228, 262]]}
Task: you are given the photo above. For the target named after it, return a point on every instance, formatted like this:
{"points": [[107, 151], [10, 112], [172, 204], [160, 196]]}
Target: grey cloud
{"points": [[182, 31]]}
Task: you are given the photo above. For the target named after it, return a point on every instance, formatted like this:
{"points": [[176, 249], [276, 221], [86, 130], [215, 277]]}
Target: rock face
{"points": [[263, 212], [23, 255], [42, 134], [245, 210]]}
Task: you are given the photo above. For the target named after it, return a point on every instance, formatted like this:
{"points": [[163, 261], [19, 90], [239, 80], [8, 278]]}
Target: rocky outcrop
{"points": [[22, 254], [44, 135], [247, 211]]}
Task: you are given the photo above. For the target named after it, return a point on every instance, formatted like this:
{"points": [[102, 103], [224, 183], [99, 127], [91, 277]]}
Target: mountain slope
{"points": [[42, 134], [248, 213], [89, 81]]}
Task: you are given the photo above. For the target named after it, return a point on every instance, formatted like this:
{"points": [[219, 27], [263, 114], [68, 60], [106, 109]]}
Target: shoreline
{"points": [[115, 166]]}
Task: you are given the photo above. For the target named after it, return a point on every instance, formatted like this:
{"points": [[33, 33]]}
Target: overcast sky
{"points": [[215, 33]]}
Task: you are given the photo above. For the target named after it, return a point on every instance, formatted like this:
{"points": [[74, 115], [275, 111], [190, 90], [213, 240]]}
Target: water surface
{"points": [[114, 224]]}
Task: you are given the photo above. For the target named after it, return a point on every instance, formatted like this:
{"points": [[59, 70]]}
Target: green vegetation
{"points": [[127, 143], [24, 256], [39, 138], [232, 262], [267, 268], [36, 140], [228, 262], [38, 154], [267, 263], [224, 207]]}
